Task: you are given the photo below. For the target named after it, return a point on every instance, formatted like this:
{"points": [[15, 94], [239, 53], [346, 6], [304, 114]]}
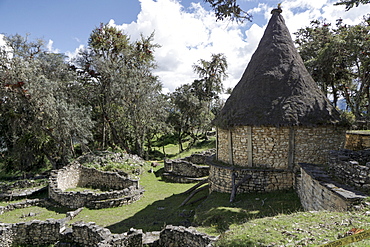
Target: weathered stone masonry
{"points": [[189, 169], [122, 190], [262, 180], [276, 147], [318, 191], [351, 167], [357, 140], [52, 231], [269, 155]]}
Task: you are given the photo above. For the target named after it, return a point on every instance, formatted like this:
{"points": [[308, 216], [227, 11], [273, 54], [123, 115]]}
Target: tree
{"points": [[325, 57], [352, 3], [338, 59], [40, 117], [211, 74], [124, 92], [228, 9], [188, 115]]}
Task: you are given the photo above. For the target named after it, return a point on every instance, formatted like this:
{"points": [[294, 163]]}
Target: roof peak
{"points": [[278, 10], [276, 88]]}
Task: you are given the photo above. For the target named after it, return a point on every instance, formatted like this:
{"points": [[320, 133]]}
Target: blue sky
{"points": [[67, 22], [186, 30]]}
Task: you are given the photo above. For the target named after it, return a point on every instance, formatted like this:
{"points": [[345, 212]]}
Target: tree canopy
{"points": [[338, 58]]}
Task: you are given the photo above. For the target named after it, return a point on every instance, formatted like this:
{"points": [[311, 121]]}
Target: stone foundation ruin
{"points": [[114, 189], [53, 231], [190, 169]]}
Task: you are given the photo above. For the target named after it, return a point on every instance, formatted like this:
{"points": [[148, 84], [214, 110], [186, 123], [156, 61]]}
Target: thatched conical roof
{"points": [[276, 88]]}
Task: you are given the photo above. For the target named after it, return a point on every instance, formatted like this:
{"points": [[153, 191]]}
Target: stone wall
{"points": [[90, 234], [179, 236], [185, 168], [262, 180], [121, 191], [351, 167], [54, 231], [189, 169], [318, 191], [273, 147], [25, 204], [357, 140]]}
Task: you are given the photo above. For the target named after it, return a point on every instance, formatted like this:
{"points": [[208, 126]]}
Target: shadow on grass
{"points": [[214, 214], [159, 214], [217, 213]]}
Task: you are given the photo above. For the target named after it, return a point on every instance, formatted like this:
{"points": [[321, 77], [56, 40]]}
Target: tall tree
{"points": [[325, 57], [338, 59], [211, 74], [123, 88], [41, 118], [188, 115]]}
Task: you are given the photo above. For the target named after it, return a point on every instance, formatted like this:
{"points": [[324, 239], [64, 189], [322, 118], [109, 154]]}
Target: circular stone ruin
{"points": [[104, 189]]}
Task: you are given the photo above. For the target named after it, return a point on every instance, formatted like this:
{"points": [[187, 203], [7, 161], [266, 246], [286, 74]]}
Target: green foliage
{"points": [[125, 96], [40, 116], [338, 60], [212, 73], [194, 105], [348, 117]]}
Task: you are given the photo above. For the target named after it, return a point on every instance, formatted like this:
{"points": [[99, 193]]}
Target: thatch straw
{"points": [[276, 88]]}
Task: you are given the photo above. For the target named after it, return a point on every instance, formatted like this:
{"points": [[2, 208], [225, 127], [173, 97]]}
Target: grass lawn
{"points": [[158, 206]]}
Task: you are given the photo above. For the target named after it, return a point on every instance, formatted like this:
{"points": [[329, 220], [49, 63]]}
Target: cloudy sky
{"points": [[186, 29]]}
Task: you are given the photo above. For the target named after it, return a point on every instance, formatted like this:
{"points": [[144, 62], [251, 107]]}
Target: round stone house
{"points": [[275, 118], [114, 189]]}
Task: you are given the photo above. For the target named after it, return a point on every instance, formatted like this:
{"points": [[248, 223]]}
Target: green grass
{"points": [[40, 213], [158, 206], [297, 229], [217, 214]]}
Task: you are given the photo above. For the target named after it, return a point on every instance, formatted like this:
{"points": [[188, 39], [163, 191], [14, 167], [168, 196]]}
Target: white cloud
{"points": [[50, 47], [299, 13], [187, 35], [75, 53]]}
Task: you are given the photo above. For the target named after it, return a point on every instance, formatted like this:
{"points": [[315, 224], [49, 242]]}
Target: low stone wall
{"points": [[189, 169], [351, 167], [90, 234], [357, 140], [262, 180], [12, 190], [25, 204], [318, 191], [54, 231], [184, 168], [122, 190], [201, 158], [179, 236]]}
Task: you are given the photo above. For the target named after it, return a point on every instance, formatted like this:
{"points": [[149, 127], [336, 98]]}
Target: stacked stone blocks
{"points": [[122, 190]]}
